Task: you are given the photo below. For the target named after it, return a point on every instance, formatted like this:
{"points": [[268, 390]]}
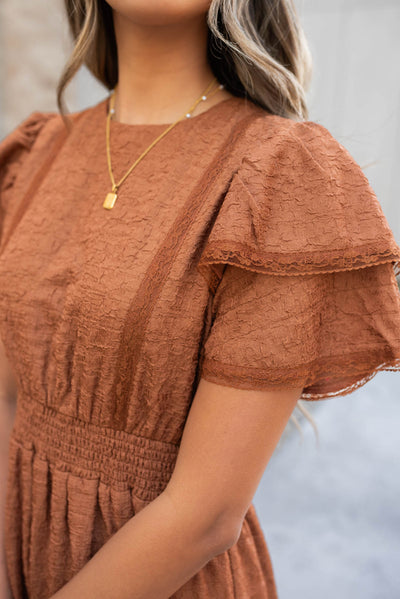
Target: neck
{"points": [[162, 70]]}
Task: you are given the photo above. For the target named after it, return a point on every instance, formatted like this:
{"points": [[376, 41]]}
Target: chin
{"points": [[159, 12]]}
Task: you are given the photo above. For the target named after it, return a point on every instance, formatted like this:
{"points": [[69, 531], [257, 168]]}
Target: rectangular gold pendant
{"points": [[110, 200]]}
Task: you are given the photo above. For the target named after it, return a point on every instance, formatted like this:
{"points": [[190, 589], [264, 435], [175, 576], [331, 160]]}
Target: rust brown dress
{"points": [[245, 248]]}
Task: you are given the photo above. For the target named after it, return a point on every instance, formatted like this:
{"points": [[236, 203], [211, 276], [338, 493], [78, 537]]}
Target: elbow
{"points": [[223, 533], [216, 530]]}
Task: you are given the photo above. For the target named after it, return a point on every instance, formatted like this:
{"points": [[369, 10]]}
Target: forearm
{"points": [[150, 557]]}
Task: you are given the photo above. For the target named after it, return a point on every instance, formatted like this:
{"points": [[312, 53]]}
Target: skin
{"points": [[230, 434], [162, 62], [228, 439]]}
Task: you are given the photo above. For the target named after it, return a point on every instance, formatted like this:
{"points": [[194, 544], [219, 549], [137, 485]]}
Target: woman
{"points": [[176, 274]]}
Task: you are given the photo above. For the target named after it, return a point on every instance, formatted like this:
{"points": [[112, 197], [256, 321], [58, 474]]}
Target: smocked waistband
{"points": [[113, 456]]}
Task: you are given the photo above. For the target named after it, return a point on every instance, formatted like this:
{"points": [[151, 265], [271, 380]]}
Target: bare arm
{"points": [[229, 437], [7, 412]]}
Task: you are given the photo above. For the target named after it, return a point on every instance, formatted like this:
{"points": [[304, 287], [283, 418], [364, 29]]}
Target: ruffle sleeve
{"points": [[14, 148], [302, 266]]}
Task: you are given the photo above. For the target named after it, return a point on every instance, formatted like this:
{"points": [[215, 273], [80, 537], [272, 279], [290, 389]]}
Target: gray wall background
{"points": [[330, 513]]}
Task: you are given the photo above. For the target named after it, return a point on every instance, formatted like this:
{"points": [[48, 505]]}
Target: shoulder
{"points": [[273, 142], [32, 134], [23, 135], [27, 131], [20, 141], [17, 144], [298, 203], [301, 163]]}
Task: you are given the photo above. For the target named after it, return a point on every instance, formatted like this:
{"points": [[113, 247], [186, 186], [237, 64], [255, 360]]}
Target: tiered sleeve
{"points": [[14, 149], [302, 266]]}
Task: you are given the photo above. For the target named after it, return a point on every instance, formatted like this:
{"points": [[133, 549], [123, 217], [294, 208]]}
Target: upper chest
{"points": [[65, 247]]}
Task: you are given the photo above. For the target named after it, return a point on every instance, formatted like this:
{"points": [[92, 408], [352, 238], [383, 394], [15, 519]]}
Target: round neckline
{"points": [[117, 125]]}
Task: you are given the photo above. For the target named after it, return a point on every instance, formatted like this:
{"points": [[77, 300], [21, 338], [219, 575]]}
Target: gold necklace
{"points": [[111, 197]]}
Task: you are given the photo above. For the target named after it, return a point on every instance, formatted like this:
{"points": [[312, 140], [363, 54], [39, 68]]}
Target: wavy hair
{"points": [[256, 48]]}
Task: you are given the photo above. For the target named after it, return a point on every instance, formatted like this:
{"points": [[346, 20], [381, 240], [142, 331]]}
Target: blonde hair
{"points": [[256, 48]]}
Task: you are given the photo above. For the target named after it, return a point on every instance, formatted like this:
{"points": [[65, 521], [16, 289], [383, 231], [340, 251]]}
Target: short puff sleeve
{"points": [[302, 266], [14, 148]]}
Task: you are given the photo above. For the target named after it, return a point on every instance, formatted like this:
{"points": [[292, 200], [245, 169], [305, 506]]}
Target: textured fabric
{"points": [[302, 262], [244, 248]]}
